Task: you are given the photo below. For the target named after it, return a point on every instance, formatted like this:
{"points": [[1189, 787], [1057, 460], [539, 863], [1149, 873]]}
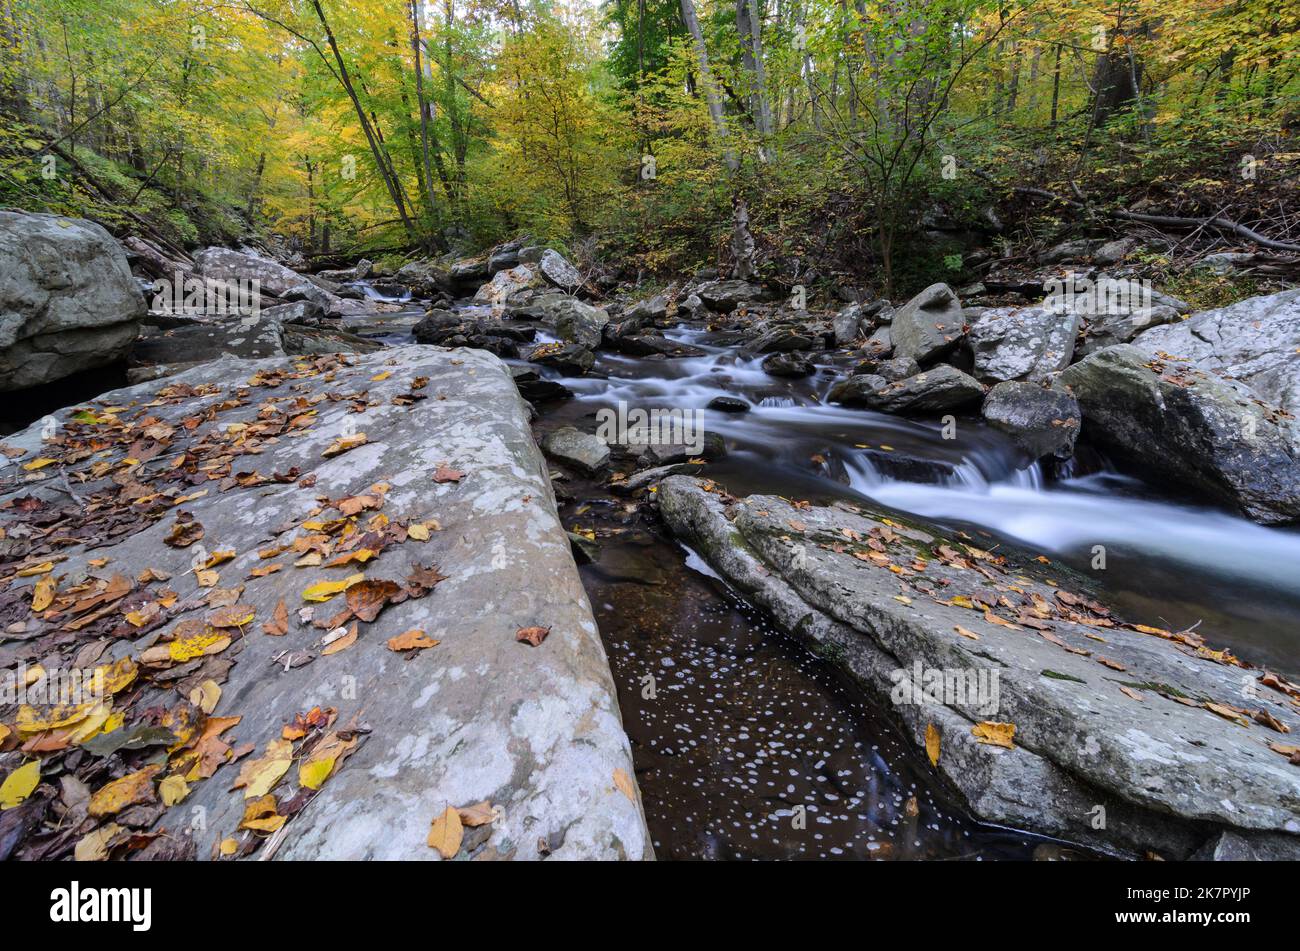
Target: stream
{"points": [[733, 724]]}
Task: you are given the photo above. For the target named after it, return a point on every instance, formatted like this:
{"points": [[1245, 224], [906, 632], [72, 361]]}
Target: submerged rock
{"points": [[479, 717], [583, 451], [937, 390], [68, 301], [963, 645], [1192, 428], [788, 365], [1040, 421]]}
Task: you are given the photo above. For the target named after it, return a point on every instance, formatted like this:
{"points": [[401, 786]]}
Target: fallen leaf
{"points": [[965, 633], [624, 784], [932, 737], [257, 777], [995, 734], [532, 635], [324, 590], [446, 833], [43, 593], [479, 814], [130, 790], [343, 444], [20, 784], [1132, 694], [94, 846], [173, 789], [260, 815], [342, 642], [444, 473], [411, 640], [278, 626]]}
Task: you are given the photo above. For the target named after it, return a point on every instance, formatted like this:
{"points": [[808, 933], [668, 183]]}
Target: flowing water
{"points": [[734, 725]]}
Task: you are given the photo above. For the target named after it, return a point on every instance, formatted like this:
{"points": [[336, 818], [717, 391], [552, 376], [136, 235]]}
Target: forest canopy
{"points": [[633, 124]]}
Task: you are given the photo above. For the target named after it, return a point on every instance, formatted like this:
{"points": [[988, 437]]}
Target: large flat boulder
{"points": [[68, 301], [219, 504], [226, 264], [1191, 427], [1167, 740], [1255, 341]]}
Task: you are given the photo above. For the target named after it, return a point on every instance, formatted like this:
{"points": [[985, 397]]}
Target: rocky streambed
{"points": [[953, 579]]}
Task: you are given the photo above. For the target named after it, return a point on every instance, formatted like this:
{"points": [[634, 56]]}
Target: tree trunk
{"points": [[706, 81]]}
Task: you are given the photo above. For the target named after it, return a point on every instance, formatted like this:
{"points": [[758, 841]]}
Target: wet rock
{"points": [[726, 296], [572, 358], [298, 312], [559, 271], [781, 340], [468, 272], [68, 301], [537, 390], [788, 365], [503, 258], [245, 339], [898, 368], [298, 340], [647, 311], [1079, 741], [707, 446], [1022, 343], [479, 717], [929, 325], [880, 343], [1040, 421], [691, 307], [424, 278], [937, 390], [504, 283], [646, 345], [577, 322], [1192, 428], [1255, 341], [729, 404], [583, 451], [223, 264]]}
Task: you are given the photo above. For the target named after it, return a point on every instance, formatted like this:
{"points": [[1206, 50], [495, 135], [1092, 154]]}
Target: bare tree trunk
{"points": [[417, 9], [706, 81], [749, 27]]}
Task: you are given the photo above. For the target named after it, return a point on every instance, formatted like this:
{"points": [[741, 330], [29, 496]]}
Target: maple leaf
{"points": [[532, 635]]}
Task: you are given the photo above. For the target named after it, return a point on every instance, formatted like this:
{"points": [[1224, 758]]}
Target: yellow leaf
{"points": [[324, 590], [995, 734], [378, 377], [20, 784], [173, 789], [343, 444], [229, 847], [206, 696], [206, 578], [932, 737], [40, 463], [258, 776], [200, 645], [131, 789], [419, 531], [31, 570], [446, 833], [624, 783], [43, 593], [93, 847]]}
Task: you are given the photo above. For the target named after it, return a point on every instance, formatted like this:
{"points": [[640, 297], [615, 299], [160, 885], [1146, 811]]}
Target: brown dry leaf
{"points": [[206, 696], [445, 473], [278, 626], [130, 790], [624, 783], [367, 598], [1132, 694], [412, 640], [965, 633], [1112, 664], [932, 738], [343, 444], [340, 643], [235, 615], [1228, 713], [184, 532], [479, 814], [995, 734], [532, 635], [447, 833]]}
